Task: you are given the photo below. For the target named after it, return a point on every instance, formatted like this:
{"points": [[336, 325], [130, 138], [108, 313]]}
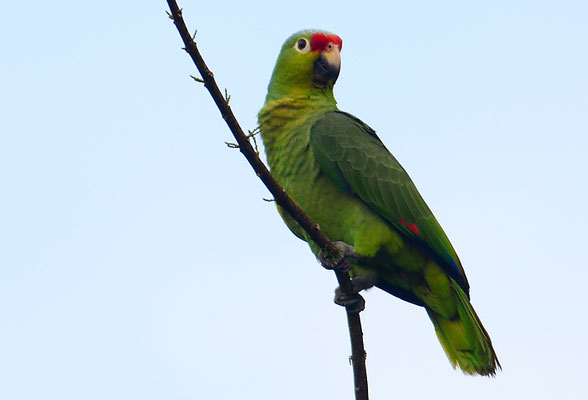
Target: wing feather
{"points": [[351, 154]]}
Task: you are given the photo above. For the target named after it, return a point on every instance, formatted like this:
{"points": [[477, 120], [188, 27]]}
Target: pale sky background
{"points": [[139, 261]]}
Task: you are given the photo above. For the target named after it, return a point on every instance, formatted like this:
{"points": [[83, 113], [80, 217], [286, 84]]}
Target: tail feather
{"points": [[464, 339]]}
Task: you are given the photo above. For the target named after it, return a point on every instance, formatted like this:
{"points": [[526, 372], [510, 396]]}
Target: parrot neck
{"points": [[277, 91], [283, 114]]}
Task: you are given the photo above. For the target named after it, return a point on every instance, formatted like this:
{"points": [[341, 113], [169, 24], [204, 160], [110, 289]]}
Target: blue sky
{"points": [[138, 259]]}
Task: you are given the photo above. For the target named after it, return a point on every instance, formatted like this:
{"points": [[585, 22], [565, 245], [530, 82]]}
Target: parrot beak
{"points": [[326, 67]]}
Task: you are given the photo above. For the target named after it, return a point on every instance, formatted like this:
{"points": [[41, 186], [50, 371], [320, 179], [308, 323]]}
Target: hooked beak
{"points": [[326, 67]]}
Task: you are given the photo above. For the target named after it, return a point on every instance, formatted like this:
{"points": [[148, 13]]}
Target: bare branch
{"points": [[358, 354], [252, 135]]}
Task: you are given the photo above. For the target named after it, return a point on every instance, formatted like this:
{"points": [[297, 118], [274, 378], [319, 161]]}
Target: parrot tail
{"points": [[464, 339]]}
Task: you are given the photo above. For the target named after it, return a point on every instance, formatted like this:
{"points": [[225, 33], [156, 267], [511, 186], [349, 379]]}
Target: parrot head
{"points": [[309, 60]]}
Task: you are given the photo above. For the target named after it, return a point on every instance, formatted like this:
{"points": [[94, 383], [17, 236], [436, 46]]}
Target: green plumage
{"points": [[338, 170]]}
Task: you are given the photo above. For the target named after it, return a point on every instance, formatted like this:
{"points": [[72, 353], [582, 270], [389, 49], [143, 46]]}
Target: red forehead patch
{"points": [[319, 41]]}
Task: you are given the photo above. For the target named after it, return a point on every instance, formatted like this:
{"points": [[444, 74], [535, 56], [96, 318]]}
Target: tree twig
{"points": [[313, 230]]}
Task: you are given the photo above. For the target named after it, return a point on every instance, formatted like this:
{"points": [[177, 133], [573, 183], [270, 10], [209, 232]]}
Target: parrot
{"points": [[336, 168]]}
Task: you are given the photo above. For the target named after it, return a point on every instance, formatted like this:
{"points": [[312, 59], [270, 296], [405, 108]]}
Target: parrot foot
{"points": [[353, 301], [340, 260]]}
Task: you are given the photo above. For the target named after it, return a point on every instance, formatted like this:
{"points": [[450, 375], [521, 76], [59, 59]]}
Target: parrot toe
{"points": [[340, 260], [353, 301]]}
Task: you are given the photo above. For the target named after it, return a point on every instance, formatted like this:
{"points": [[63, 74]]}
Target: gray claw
{"points": [[353, 301], [340, 260]]}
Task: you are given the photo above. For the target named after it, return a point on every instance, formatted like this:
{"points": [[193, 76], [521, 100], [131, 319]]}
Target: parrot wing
{"points": [[351, 154]]}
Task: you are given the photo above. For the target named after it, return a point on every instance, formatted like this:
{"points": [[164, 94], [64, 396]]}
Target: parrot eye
{"points": [[302, 46]]}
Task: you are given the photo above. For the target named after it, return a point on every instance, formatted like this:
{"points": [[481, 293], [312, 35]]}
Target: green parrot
{"points": [[340, 173]]}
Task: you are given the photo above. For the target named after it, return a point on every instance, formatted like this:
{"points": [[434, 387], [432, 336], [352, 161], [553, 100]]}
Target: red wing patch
{"points": [[412, 227]]}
